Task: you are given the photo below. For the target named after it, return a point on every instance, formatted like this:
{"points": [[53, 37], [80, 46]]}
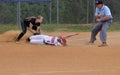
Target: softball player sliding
{"points": [[47, 40]]}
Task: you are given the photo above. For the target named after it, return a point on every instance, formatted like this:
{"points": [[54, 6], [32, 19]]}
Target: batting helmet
{"points": [[62, 40]]}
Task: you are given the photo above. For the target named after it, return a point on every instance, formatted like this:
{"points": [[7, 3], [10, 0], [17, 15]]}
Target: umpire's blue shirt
{"points": [[104, 11]]}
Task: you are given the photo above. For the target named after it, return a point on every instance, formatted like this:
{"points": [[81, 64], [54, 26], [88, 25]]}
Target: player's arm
{"points": [[38, 28], [98, 16], [30, 28], [103, 19]]}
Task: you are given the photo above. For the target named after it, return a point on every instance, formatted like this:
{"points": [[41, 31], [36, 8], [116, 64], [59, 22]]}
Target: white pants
{"points": [[42, 39], [38, 39]]}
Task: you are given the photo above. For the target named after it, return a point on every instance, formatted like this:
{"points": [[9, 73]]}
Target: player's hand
{"points": [[98, 20], [36, 34], [99, 15]]}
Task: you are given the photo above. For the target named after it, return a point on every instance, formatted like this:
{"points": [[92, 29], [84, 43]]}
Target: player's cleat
{"points": [[28, 40], [102, 45], [16, 41], [90, 43]]}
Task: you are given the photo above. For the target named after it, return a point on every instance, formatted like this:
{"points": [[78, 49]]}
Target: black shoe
{"points": [[28, 39], [16, 41]]}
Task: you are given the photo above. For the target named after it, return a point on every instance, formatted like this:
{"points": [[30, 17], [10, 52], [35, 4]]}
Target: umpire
{"points": [[33, 25], [104, 18]]}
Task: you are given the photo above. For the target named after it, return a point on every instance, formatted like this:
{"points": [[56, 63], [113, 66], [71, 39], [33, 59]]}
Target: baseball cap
{"points": [[98, 2]]}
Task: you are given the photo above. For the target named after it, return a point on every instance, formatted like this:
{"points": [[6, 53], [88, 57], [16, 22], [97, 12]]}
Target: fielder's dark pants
{"points": [[24, 30]]}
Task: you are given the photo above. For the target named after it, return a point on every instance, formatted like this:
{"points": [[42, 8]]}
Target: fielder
{"points": [[49, 40], [33, 25]]}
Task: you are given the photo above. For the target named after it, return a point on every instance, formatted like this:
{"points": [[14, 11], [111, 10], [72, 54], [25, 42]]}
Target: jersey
{"points": [[104, 11], [45, 39], [32, 21]]}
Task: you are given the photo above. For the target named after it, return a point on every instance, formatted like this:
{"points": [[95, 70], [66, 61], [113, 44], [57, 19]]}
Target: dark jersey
{"points": [[32, 21]]}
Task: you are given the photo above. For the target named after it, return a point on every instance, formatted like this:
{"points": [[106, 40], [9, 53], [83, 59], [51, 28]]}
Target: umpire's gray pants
{"points": [[102, 28]]}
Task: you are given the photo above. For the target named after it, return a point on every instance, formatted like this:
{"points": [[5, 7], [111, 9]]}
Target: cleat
{"points": [[90, 43], [17, 41], [28, 40], [102, 45]]}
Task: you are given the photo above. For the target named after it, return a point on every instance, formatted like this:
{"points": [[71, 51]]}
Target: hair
{"points": [[39, 16], [29, 18]]}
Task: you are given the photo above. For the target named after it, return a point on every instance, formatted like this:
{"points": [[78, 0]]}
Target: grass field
{"points": [[61, 27]]}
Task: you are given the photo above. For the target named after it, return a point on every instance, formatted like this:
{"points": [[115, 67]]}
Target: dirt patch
{"points": [[77, 58]]}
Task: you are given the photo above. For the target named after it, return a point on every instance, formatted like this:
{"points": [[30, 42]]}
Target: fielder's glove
{"points": [[36, 34]]}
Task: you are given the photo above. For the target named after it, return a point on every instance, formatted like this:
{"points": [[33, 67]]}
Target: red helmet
{"points": [[63, 39]]}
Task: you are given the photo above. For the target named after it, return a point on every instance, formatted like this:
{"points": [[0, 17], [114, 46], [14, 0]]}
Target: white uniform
{"points": [[44, 39]]}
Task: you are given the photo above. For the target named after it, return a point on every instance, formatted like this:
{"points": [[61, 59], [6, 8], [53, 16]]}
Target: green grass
{"points": [[114, 27], [75, 27], [4, 28], [66, 27], [61, 27]]}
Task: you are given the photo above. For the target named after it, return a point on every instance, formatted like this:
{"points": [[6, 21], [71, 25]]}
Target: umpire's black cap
{"points": [[98, 2]]}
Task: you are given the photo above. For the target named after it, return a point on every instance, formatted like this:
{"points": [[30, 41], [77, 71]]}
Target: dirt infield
{"points": [[77, 58]]}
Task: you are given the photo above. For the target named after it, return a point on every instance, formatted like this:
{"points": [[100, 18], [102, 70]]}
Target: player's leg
{"points": [[95, 31], [24, 29], [103, 33], [33, 41], [37, 37]]}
